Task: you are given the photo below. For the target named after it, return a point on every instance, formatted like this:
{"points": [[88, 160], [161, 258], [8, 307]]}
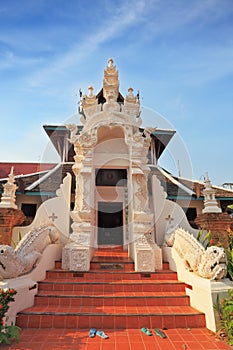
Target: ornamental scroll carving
{"points": [[75, 258], [140, 192], [145, 260]]}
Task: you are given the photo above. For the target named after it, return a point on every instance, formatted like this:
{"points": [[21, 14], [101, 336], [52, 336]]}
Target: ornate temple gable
{"points": [[111, 136], [109, 107]]}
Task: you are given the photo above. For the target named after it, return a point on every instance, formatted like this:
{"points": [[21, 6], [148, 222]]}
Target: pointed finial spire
{"points": [[110, 63], [210, 203], [8, 196]]}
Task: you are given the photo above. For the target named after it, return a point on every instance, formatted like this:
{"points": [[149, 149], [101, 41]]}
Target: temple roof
{"points": [[23, 168], [45, 183], [59, 136]]}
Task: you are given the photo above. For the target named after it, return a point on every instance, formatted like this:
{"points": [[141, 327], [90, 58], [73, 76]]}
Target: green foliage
{"points": [[225, 311], [14, 243], [230, 263], [19, 236], [19, 239], [229, 252], [204, 238], [7, 332]]}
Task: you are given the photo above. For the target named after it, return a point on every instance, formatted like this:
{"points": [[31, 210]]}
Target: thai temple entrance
{"points": [[112, 204], [110, 224], [125, 234]]}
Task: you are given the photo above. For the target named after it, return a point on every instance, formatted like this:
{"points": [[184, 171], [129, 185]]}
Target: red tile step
{"points": [[58, 274], [112, 299], [45, 298], [113, 287], [111, 317]]}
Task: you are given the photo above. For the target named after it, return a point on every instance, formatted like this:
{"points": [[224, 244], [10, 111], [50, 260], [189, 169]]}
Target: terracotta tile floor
{"points": [[131, 339], [121, 336]]}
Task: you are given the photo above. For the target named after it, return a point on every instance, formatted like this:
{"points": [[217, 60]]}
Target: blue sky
{"points": [[178, 54]]}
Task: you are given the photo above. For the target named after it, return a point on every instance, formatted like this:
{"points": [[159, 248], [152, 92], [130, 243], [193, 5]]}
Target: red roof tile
{"points": [[23, 168]]}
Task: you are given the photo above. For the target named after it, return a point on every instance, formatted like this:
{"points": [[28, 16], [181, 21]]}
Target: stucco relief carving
{"points": [[86, 191], [78, 154], [111, 106], [145, 239], [149, 255], [136, 198], [78, 188], [79, 260], [19, 261], [140, 192], [88, 138], [73, 132], [145, 260], [75, 258], [81, 238], [208, 263]]}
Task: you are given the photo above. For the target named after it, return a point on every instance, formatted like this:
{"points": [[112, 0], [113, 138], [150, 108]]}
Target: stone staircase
{"points": [[111, 296]]}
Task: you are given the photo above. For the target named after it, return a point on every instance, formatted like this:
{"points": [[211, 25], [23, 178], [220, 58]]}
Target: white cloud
{"points": [[111, 27]]}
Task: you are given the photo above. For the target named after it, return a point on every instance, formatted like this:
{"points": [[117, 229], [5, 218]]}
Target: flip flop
{"points": [[146, 331], [102, 334], [160, 333], [92, 332]]}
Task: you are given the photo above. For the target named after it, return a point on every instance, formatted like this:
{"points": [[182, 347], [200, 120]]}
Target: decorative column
{"points": [[148, 256], [77, 253]]}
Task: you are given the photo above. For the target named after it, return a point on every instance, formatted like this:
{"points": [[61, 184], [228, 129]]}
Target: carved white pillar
{"points": [[77, 254], [147, 255]]}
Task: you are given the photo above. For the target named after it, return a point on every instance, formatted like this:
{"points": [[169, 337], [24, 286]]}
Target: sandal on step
{"points": [[102, 334], [160, 333], [146, 331], [92, 332]]}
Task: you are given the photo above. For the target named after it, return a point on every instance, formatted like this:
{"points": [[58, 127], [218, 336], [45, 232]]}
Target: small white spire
{"points": [[210, 203], [8, 196]]}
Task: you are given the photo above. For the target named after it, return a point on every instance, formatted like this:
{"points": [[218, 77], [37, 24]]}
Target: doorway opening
{"points": [[110, 223]]}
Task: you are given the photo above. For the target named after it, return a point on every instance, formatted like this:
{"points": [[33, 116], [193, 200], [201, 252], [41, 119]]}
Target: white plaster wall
{"points": [[163, 208], [59, 206], [111, 152]]}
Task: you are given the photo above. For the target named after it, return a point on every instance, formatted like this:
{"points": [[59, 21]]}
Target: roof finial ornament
{"points": [[90, 91], [110, 63], [8, 196], [210, 203], [130, 91]]}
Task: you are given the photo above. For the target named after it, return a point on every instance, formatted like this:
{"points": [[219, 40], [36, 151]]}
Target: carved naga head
{"points": [[217, 262], [8, 265]]}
